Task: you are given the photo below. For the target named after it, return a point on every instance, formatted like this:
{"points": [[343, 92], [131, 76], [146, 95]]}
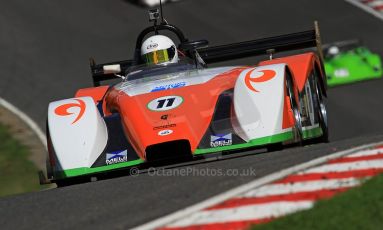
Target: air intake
{"points": [[168, 150]]}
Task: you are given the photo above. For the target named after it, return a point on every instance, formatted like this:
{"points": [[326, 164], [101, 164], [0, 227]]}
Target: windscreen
{"points": [[150, 70]]}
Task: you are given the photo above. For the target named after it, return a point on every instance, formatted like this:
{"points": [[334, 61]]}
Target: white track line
{"points": [[246, 187], [26, 119], [243, 213], [346, 167], [307, 186], [366, 153], [366, 8], [375, 3]]}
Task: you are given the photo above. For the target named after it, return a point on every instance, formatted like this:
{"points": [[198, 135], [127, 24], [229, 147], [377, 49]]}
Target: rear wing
{"points": [[288, 42], [270, 45]]}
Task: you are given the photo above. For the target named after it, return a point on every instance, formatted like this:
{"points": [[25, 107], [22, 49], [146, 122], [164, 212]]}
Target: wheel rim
{"points": [[323, 113], [322, 108], [296, 113], [298, 120]]}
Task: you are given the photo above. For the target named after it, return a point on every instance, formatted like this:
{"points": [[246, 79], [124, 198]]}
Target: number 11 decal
{"points": [[169, 103], [165, 103]]}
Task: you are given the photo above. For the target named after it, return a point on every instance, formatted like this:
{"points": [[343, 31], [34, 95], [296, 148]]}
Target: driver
{"points": [[159, 49], [333, 51]]}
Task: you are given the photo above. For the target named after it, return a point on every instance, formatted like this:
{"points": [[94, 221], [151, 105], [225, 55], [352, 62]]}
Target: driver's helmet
{"points": [[333, 51], [159, 49]]}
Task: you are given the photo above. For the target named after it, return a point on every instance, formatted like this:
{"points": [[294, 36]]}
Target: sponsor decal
{"points": [[116, 157], [62, 110], [221, 140], [266, 76], [165, 103], [165, 122], [165, 132], [167, 117], [169, 86], [164, 117], [341, 73], [164, 126], [152, 46]]}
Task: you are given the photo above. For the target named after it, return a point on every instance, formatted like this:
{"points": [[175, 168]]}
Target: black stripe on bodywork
{"points": [[117, 141], [101, 102], [221, 121]]}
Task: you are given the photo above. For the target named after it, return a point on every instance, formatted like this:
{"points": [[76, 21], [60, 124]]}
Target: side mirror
{"points": [[111, 69]]}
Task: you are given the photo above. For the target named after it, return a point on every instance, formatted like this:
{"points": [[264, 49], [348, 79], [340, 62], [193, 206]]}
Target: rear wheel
{"points": [[298, 129], [321, 109]]}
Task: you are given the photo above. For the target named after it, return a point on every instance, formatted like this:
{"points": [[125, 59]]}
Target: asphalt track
{"points": [[44, 51]]}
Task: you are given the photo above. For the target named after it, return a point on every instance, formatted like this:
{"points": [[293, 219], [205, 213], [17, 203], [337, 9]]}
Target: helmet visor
{"points": [[159, 56]]}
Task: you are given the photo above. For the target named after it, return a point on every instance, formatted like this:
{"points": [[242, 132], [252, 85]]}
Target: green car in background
{"points": [[349, 61]]}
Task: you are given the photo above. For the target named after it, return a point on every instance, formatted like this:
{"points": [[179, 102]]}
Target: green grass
{"points": [[358, 208], [17, 173]]}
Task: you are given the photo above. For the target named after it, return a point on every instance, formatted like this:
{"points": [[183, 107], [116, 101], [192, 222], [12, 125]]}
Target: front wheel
{"points": [[298, 128]]}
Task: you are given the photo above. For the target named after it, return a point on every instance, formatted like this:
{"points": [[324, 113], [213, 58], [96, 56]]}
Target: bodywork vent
{"points": [[168, 150]]}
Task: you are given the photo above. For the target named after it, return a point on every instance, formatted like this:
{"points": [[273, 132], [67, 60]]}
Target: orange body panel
{"points": [[188, 121], [97, 93], [300, 65], [288, 116]]}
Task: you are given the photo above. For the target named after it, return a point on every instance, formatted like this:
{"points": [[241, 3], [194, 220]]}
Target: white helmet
{"points": [[159, 49], [333, 50]]}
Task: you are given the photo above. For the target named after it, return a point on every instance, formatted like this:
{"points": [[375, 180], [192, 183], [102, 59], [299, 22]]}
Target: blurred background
{"points": [[45, 46]]}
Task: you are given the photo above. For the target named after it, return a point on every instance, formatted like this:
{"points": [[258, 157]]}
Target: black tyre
{"points": [[321, 109], [48, 165], [72, 181], [274, 147], [63, 183], [298, 129]]}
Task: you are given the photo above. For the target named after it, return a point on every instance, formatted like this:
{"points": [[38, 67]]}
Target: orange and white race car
{"points": [[169, 104], [151, 3]]}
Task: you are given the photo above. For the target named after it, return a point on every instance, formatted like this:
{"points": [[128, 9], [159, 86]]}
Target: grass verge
{"points": [[358, 208], [17, 173]]}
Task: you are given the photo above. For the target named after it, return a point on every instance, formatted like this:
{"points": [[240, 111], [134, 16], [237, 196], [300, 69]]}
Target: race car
{"points": [[349, 62], [168, 104], [152, 3]]}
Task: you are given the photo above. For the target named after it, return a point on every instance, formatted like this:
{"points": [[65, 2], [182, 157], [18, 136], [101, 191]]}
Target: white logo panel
{"points": [[165, 103], [165, 132]]}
